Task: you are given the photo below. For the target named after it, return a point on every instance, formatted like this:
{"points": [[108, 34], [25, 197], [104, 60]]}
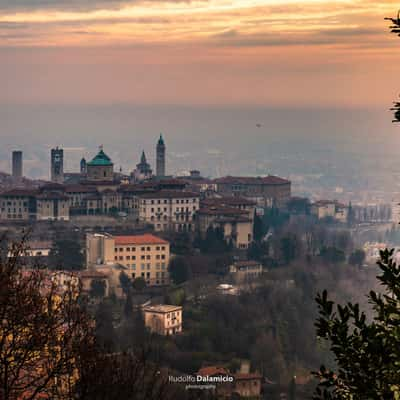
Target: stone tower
{"points": [[57, 165], [17, 164], [160, 159]]}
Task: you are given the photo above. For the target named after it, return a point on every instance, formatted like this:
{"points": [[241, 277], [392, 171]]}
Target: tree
{"points": [[66, 254], [258, 228], [97, 288], [332, 255], [289, 248], [367, 352], [125, 282], [42, 329], [139, 284], [357, 258], [179, 270]]}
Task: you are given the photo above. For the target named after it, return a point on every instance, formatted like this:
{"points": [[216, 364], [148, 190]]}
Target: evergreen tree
{"points": [[367, 353]]}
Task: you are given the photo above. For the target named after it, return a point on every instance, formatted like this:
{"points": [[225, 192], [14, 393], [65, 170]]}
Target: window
{"points": [[143, 249], [142, 257]]}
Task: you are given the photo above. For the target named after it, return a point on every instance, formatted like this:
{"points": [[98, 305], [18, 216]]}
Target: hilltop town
{"points": [[198, 265]]}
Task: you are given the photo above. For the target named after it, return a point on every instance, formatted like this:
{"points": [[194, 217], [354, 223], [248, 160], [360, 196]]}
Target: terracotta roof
{"points": [[146, 238], [169, 194], [212, 371], [253, 180], [162, 308], [39, 244]]}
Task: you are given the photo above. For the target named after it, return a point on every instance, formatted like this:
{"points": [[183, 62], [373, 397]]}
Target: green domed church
{"points": [[101, 168]]}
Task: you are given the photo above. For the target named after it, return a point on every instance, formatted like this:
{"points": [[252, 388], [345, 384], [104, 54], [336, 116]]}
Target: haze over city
{"points": [[317, 76]]}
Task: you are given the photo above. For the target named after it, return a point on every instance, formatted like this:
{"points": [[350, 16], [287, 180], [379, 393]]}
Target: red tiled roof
{"points": [[253, 180], [146, 238]]}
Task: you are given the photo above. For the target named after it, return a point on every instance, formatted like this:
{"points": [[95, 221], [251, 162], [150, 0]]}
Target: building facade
{"points": [[267, 191], [18, 205], [169, 210], [144, 256], [163, 319]]}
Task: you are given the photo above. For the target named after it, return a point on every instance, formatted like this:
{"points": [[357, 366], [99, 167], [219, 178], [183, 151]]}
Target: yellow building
{"points": [[52, 206], [172, 210], [163, 319], [146, 256], [18, 204], [236, 224]]}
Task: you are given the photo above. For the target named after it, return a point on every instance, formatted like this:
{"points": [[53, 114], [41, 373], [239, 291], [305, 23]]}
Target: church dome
{"points": [[101, 159]]}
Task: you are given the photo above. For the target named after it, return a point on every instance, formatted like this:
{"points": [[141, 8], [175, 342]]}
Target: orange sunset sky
{"points": [[242, 52]]}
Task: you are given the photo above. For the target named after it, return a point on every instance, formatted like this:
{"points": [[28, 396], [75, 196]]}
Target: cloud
{"points": [[76, 5]]}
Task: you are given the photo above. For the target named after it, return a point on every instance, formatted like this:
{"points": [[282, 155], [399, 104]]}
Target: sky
{"points": [[269, 53]]}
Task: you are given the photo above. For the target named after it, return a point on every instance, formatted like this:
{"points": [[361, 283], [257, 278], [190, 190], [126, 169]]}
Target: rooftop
{"points": [[162, 308], [101, 159], [212, 370], [20, 193], [253, 180], [146, 238], [169, 194], [230, 201]]}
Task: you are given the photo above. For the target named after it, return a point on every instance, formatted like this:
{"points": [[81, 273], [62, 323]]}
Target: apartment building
{"points": [[267, 191], [169, 210], [163, 319], [146, 256]]}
